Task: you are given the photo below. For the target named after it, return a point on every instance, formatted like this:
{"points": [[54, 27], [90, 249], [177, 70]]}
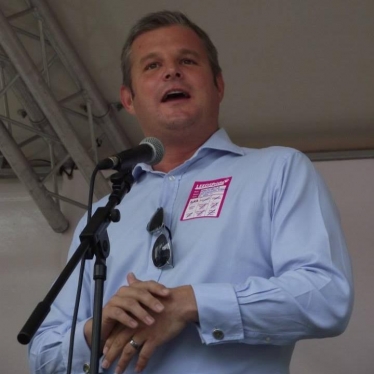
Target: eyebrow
{"points": [[148, 57], [186, 51], [182, 52]]}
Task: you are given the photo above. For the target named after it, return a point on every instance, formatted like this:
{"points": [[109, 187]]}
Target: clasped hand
{"points": [[147, 312]]}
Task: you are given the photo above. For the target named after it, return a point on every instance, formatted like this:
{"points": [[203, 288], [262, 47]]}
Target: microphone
{"points": [[150, 151]]}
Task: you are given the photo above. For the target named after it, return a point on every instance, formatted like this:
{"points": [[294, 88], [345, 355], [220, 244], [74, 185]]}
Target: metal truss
{"points": [[44, 117]]}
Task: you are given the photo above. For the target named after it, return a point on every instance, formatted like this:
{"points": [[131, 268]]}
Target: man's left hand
{"points": [[180, 308]]}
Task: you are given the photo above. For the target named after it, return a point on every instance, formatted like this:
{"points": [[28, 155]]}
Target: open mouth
{"points": [[175, 95]]}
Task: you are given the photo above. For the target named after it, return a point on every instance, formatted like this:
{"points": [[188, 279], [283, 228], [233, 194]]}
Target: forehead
{"points": [[175, 38]]}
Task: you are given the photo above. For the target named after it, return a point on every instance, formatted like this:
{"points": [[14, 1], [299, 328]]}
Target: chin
{"points": [[180, 123]]}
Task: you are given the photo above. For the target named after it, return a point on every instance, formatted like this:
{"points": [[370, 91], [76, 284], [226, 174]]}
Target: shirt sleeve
{"points": [[310, 294], [48, 350]]}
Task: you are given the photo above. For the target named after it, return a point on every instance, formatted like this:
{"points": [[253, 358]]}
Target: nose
{"points": [[172, 72]]}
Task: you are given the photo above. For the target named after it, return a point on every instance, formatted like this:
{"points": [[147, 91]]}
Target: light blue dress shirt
{"points": [[266, 258]]}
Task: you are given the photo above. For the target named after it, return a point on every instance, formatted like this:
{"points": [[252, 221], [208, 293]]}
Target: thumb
{"points": [[131, 278]]}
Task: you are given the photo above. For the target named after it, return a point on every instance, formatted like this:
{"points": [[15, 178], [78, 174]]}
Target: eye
{"points": [[188, 61], [152, 65]]}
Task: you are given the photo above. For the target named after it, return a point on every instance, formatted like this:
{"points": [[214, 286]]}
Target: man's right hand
{"points": [[129, 306]]}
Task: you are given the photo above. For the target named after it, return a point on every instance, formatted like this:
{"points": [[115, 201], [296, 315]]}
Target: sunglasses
{"points": [[162, 253]]}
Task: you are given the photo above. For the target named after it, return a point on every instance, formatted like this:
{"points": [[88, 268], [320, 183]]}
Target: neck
{"points": [[177, 152], [174, 156]]}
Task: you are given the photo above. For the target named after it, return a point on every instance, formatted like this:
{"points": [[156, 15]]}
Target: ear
{"points": [[127, 99], [220, 86]]}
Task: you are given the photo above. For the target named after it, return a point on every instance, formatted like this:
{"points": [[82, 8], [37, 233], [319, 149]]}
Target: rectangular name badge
{"points": [[206, 199]]}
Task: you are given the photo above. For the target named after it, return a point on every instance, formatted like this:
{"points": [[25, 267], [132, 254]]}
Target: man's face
{"points": [[173, 84]]}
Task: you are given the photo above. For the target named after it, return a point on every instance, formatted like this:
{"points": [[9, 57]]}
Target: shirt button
{"points": [[218, 334], [171, 178], [86, 368]]}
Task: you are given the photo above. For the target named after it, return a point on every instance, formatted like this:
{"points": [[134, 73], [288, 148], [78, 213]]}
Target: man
{"points": [[259, 258]]}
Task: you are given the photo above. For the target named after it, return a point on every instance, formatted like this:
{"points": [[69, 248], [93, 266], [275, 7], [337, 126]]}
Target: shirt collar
{"points": [[218, 141], [221, 141]]}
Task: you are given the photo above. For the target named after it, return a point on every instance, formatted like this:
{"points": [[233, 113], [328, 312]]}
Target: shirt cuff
{"points": [[219, 314]]}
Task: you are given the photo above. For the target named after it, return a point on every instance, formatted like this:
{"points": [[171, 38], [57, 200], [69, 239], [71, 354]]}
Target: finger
{"points": [[115, 346], [129, 306], [113, 336], [144, 355], [132, 296], [117, 313], [151, 286], [128, 353], [129, 309]]}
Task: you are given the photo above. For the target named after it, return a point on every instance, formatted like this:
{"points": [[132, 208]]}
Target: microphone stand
{"points": [[94, 242]]}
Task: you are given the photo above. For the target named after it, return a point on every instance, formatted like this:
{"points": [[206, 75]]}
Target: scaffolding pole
{"points": [[36, 116], [27, 176], [103, 112], [44, 97]]}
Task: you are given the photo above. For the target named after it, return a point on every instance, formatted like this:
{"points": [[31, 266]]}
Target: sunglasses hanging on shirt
{"points": [[162, 253]]}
